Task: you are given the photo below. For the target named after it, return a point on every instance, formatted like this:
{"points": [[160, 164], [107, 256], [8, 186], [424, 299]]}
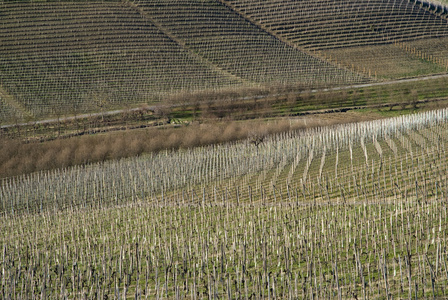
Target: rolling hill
{"points": [[371, 37], [288, 196], [345, 212], [68, 57]]}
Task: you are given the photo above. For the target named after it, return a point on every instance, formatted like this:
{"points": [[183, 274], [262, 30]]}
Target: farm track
{"points": [[324, 111]]}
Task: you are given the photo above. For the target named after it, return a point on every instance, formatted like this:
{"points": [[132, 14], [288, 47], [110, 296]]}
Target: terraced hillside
{"points": [[81, 54], [323, 24], [237, 46], [350, 32], [75, 56], [67, 57]]}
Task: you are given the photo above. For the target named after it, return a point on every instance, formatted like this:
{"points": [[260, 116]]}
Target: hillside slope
{"points": [[372, 37], [65, 57], [323, 24], [233, 44], [70, 57], [81, 56]]}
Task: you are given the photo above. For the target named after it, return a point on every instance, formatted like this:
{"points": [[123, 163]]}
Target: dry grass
{"points": [[438, 48], [219, 115], [444, 2], [17, 157]]}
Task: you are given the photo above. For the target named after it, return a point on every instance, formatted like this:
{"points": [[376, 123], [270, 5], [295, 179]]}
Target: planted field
{"points": [[68, 57], [359, 35], [233, 44], [395, 63], [59, 57], [437, 51], [352, 211], [346, 211], [336, 24]]}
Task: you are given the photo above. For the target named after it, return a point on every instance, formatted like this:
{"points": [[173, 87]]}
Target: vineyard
{"points": [[336, 24], [349, 211], [69, 57], [215, 177], [355, 34]]}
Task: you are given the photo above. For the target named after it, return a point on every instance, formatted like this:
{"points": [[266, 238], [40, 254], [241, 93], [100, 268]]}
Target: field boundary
{"points": [[165, 125], [182, 44], [154, 107]]}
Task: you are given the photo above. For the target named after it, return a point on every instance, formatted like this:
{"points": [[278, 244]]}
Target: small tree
{"points": [[405, 98], [354, 97], [163, 112], [100, 99], [257, 139], [291, 99]]}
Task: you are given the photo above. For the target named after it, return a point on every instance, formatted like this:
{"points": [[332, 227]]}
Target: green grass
{"points": [[388, 113]]}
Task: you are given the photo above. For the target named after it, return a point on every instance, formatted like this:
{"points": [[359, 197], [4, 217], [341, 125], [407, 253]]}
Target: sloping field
{"points": [[70, 57], [365, 36], [323, 24], [394, 63], [436, 49], [66, 57], [73, 56], [396, 60], [346, 212], [233, 44]]}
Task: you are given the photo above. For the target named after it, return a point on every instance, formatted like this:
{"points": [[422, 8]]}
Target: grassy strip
{"points": [[241, 104], [215, 121]]}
